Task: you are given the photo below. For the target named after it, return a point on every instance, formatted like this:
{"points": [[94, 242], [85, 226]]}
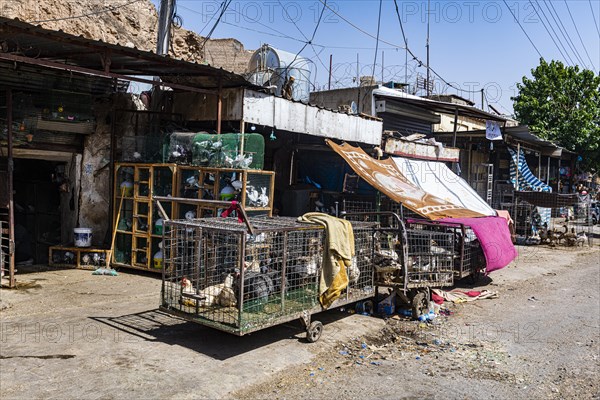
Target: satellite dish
{"points": [[354, 108]]}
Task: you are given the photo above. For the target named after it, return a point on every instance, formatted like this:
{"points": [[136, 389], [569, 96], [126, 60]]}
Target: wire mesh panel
{"points": [[429, 260], [221, 276], [468, 255]]}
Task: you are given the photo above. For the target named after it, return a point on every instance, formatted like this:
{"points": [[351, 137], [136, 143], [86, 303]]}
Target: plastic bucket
{"points": [[82, 237]]}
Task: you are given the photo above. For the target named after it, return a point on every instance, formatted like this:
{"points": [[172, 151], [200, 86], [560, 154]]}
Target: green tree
{"points": [[562, 104]]}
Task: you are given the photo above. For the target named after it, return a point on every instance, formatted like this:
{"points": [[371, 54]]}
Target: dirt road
{"points": [[68, 334], [539, 339]]}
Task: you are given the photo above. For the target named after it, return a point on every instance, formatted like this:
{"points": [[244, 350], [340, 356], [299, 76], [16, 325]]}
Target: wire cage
{"points": [[428, 258], [219, 275], [568, 226], [468, 257]]}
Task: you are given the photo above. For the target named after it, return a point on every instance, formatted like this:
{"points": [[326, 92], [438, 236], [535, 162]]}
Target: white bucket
{"points": [[82, 237]]}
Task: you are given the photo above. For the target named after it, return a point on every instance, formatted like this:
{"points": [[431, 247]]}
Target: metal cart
{"points": [[468, 258], [410, 259], [218, 274]]}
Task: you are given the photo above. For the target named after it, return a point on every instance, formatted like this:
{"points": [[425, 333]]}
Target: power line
{"points": [[565, 34], [568, 58], [278, 33], [517, 21], [105, 10], [581, 40], [224, 7], [359, 28], [377, 39], [594, 16], [547, 30]]}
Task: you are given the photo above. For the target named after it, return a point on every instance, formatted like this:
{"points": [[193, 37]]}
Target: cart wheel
{"points": [[419, 303], [314, 330]]}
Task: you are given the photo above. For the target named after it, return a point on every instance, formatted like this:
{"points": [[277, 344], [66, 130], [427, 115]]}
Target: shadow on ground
{"points": [[159, 326]]}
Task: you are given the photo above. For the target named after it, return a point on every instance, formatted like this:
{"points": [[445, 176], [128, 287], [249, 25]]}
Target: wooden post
{"points": [[517, 166], [219, 107], [11, 207], [242, 133]]}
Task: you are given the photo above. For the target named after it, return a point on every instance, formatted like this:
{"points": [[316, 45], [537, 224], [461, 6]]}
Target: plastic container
{"points": [[127, 188], [158, 260], [158, 226], [82, 237]]}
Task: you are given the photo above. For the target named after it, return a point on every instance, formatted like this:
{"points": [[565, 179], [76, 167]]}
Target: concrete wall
{"points": [[94, 194], [464, 124], [333, 99]]}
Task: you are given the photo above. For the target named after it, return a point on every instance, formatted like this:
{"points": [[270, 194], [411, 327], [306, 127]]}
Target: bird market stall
{"points": [[243, 277]]}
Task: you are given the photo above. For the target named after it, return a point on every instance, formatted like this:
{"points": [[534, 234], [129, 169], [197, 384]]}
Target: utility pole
{"points": [[427, 45], [165, 18], [382, 61], [482, 97], [330, 63]]}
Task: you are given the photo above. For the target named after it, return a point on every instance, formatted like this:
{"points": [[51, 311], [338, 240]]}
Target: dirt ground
{"points": [[69, 334]]}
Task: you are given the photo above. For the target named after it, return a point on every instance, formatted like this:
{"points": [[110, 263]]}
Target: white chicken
{"points": [[221, 294]]}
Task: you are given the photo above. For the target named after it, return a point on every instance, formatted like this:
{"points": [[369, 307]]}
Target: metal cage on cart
{"points": [[410, 260], [467, 254], [217, 274]]}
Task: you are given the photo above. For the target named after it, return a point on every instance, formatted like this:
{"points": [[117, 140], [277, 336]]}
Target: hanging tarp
{"points": [[526, 180], [437, 179], [386, 177]]}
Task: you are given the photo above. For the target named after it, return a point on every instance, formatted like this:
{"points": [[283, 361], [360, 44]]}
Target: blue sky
{"points": [[473, 44]]}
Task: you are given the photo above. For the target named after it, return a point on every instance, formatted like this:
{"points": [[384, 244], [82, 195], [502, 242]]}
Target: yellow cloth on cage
{"points": [[337, 255]]}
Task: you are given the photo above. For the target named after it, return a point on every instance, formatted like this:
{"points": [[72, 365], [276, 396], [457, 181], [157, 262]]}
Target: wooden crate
{"points": [[83, 257]]}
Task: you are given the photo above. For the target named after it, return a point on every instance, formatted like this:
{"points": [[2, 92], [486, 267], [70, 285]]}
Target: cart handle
{"points": [[218, 203]]}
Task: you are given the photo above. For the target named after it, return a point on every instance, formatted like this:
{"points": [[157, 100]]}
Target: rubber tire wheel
{"points": [[418, 304], [314, 331]]}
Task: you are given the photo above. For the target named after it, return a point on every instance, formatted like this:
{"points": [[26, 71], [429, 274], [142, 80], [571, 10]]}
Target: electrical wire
{"points": [[377, 39], [105, 10], [211, 18], [421, 62], [277, 33], [523, 29], [547, 30], [309, 41], [223, 9], [580, 39], [594, 16], [565, 34], [566, 54]]}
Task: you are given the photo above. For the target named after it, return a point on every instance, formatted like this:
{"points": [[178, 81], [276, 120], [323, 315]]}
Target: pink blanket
{"points": [[494, 236]]}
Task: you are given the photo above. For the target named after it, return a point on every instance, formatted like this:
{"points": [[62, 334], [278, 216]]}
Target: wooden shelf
{"points": [[78, 253]]}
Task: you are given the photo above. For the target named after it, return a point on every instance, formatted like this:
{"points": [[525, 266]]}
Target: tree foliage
{"points": [[562, 104]]}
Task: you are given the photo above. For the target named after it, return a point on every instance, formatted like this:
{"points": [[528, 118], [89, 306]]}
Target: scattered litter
{"points": [[364, 345], [375, 362], [105, 271], [532, 298], [417, 358], [343, 352]]}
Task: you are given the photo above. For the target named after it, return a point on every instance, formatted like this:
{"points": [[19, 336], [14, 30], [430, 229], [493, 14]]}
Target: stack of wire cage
{"points": [[218, 274], [467, 254], [569, 225], [413, 258]]}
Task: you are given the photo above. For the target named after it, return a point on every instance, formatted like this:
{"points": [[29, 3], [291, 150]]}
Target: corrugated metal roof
{"points": [[38, 43], [436, 106]]}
